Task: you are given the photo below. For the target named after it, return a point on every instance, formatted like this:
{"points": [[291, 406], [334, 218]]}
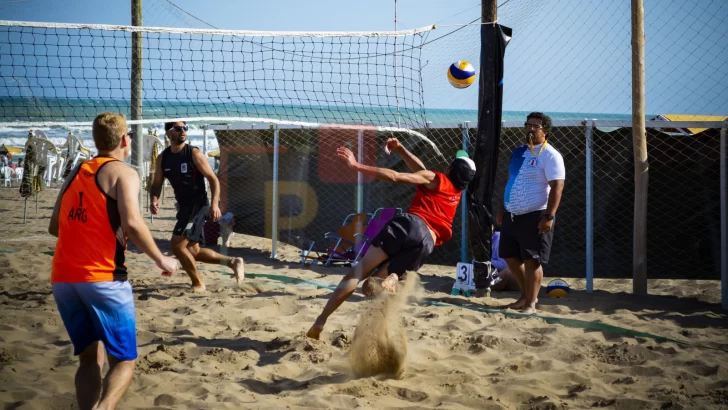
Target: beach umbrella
{"points": [[4, 149]]}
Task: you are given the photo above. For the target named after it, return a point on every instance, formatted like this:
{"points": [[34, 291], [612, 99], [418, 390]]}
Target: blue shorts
{"points": [[99, 311]]}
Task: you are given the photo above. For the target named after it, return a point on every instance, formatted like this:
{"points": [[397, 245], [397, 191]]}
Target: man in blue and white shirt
{"points": [[531, 197]]}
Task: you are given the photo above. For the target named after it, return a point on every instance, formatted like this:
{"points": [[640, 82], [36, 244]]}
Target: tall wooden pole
{"points": [[481, 267], [639, 140], [137, 146], [394, 59], [488, 13]]}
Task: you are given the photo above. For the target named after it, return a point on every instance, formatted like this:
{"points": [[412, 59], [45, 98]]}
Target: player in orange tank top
{"points": [[95, 211], [406, 240], [91, 241]]}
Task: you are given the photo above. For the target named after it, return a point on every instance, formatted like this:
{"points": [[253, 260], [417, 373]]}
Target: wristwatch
{"points": [[549, 217]]}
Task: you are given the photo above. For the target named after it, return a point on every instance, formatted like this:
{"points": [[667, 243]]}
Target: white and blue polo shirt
{"points": [[528, 187]]}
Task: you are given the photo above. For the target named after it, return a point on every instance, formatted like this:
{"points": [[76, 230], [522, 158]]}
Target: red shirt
{"points": [[437, 207]]}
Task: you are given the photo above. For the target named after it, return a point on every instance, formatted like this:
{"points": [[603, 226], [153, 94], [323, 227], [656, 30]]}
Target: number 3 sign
{"points": [[464, 281]]}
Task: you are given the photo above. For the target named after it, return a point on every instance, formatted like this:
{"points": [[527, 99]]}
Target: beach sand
{"points": [[243, 346]]}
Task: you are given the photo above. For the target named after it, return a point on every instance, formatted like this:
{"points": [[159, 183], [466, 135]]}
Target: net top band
{"points": [[236, 33]]}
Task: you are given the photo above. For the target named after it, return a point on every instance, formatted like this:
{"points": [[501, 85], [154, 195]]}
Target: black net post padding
{"points": [[494, 39]]}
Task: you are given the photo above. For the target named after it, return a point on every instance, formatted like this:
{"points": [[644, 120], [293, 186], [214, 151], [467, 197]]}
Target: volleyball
{"points": [[557, 289], [461, 74]]}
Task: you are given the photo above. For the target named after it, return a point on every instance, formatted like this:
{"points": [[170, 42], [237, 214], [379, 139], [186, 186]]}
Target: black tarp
{"points": [[494, 39], [684, 202]]}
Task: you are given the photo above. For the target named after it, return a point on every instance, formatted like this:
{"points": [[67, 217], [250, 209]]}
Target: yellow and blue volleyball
{"points": [[557, 289], [461, 74]]}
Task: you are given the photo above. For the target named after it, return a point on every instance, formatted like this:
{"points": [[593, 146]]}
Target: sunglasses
{"points": [[179, 128]]}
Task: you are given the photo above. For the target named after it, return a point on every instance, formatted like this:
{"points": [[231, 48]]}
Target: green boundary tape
{"points": [[583, 324], [576, 323], [281, 278]]}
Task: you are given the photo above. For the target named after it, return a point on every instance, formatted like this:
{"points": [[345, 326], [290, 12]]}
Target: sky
{"points": [[565, 55], [292, 15]]}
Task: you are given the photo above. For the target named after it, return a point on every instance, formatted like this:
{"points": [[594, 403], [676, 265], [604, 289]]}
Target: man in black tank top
{"points": [[186, 169]]}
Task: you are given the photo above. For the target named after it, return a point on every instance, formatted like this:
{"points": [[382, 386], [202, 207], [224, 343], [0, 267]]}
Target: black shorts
{"points": [[520, 237], [191, 221], [407, 241]]}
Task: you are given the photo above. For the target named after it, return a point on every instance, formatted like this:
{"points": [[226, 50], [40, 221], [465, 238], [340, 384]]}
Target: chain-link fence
{"points": [[316, 191], [684, 200], [581, 53], [568, 254], [683, 225]]}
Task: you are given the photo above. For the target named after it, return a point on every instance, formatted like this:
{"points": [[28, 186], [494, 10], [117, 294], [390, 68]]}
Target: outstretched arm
{"points": [[413, 163], [423, 177]]}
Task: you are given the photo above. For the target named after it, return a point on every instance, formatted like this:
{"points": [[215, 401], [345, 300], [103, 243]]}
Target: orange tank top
{"points": [[91, 242], [437, 207]]}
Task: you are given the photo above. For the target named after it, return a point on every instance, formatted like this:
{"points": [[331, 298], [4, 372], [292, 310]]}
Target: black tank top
{"points": [[186, 180]]}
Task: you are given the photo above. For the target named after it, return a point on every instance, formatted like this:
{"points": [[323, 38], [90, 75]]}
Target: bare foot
{"points": [[390, 283], [199, 288], [238, 267], [519, 304], [529, 309]]}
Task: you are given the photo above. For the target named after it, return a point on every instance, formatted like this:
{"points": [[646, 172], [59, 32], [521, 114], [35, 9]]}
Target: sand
{"points": [[244, 346], [380, 343]]}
